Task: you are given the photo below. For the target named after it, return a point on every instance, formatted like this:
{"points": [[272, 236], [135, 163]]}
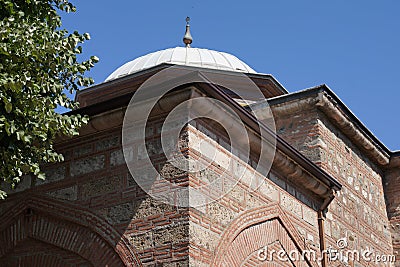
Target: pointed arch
{"points": [[254, 229], [68, 227]]}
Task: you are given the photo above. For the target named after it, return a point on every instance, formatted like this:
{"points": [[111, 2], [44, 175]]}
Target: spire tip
{"points": [[187, 39]]}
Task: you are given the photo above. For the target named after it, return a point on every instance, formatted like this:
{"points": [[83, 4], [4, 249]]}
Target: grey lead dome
{"points": [[188, 56]]}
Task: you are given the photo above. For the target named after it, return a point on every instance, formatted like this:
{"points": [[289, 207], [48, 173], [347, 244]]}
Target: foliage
{"points": [[38, 66]]}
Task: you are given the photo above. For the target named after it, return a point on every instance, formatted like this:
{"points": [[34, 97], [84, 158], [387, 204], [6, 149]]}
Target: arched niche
{"points": [[68, 229], [267, 228]]}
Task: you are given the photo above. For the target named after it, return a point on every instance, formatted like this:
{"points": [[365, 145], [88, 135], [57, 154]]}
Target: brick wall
{"points": [[94, 178], [392, 191], [209, 222], [358, 212]]}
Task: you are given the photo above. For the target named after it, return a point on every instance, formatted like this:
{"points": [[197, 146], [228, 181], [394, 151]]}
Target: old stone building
{"points": [[228, 180]]}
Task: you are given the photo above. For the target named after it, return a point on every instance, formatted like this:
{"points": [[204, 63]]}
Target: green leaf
{"points": [[8, 107], [70, 60], [95, 59], [41, 176], [20, 135]]}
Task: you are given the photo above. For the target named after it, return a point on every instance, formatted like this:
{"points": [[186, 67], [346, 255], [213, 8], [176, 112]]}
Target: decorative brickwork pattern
{"points": [[253, 230], [66, 227], [36, 253], [392, 191], [221, 217], [358, 212]]}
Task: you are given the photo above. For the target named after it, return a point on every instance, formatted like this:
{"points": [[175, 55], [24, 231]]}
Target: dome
{"points": [[188, 56]]}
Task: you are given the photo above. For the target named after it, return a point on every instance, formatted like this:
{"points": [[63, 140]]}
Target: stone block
{"points": [[154, 147], [100, 186], [142, 241], [148, 206], [270, 191], [174, 233], [220, 213], [121, 213], [69, 193], [87, 165], [53, 174], [253, 201], [108, 143], [236, 192], [310, 216], [291, 204], [203, 237], [117, 158]]}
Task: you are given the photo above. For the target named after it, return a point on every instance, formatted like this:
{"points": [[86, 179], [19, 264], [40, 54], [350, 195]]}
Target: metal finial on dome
{"points": [[187, 39]]}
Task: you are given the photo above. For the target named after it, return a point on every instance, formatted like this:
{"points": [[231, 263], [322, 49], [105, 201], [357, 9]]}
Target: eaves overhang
{"points": [[287, 151], [269, 86], [323, 98]]}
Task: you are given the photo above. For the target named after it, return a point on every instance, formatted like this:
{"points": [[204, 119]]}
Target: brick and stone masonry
{"points": [[319, 128], [392, 191], [91, 212]]}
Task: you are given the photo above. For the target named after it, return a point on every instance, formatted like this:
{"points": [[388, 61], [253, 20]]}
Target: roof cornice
{"points": [[322, 98], [123, 85]]}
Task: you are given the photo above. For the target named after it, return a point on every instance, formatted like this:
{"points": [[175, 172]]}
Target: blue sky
{"points": [[352, 46]]}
